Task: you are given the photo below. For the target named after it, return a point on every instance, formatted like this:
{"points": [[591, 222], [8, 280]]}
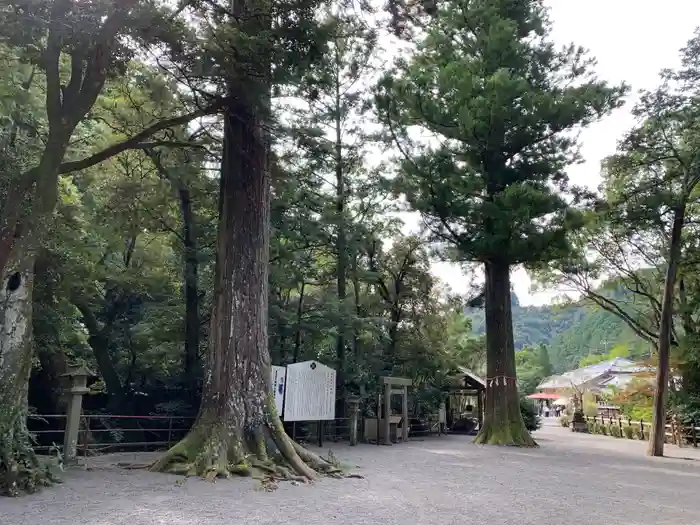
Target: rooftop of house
{"points": [[618, 365]]}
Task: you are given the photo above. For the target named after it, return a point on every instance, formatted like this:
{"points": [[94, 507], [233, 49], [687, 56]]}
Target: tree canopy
{"points": [[193, 192], [499, 102]]}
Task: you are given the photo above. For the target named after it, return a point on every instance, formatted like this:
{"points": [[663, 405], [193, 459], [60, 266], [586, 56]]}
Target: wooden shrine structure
{"points": [[465, 399], [386, 427]]}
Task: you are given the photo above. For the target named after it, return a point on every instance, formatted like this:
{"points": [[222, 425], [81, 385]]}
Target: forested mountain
{"points": [[570, 332]]}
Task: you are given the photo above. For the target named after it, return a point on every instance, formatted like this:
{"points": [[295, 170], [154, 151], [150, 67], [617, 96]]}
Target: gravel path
{"points": [[584, 480]]}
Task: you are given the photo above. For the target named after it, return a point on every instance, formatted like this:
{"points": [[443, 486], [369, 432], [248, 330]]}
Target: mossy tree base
{"points": [[20, 469], [513, 434], [213, 449]]}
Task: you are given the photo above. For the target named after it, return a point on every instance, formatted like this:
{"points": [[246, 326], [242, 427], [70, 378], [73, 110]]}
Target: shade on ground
{"points": [[587, 480]]}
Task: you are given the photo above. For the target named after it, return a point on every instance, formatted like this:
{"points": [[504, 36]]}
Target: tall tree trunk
{"points": [[395, 320], [238, 429], [658, 420], [98, 339], [190, 271], [19, 467], [341, 248], [45, 389], [503, 422], [358, 307], [19, 237], [300, 312]]}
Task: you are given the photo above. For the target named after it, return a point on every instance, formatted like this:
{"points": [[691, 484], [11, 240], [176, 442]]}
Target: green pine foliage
{"points": [[499, 101], [499, 97]]}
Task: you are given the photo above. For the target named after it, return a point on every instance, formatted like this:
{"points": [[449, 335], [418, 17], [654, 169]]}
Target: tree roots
{"points": [[214, 450], [512, 434]]}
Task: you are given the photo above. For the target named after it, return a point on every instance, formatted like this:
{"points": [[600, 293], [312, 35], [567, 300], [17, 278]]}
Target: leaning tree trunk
{"points": [[19, 468], [657, 435], [503, 422], [238, 430]]}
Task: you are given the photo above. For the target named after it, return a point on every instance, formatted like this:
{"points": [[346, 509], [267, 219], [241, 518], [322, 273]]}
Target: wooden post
{"points": [[692, 433], [405, 413], [387, 414], [170, 430], [354, 413], [85, 421], [442, 418], [480, 408], [379, 416], [641, 429], [76, 389]]}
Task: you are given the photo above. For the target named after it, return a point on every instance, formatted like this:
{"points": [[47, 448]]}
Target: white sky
{"points": [[632, 40]]}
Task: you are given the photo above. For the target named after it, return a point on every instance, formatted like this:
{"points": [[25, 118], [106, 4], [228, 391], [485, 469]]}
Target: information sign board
{"points": [[310, 392]]}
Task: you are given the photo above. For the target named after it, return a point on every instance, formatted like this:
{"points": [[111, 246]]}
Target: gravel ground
{"points": [[440, 480]]}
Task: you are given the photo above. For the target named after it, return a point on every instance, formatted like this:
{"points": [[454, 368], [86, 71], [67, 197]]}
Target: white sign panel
{"points": [[278, 386], [310, 392]]}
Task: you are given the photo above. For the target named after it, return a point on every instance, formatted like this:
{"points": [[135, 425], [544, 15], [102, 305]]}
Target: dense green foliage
{"points": [[118, 238], [124, 277], [500, 102], [533, 365], [530, 416]]}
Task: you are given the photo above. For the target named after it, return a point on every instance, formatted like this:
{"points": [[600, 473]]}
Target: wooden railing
{"points": [[100, 433], [677, 433]]}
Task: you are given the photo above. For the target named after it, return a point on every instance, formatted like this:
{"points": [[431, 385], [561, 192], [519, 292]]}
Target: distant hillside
{"points": [[570, 333]]}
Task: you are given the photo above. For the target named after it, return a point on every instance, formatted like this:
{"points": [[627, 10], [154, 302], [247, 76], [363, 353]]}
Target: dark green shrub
{"points": [[530, 416], [628, 431], [614, 430], [591, 427]]}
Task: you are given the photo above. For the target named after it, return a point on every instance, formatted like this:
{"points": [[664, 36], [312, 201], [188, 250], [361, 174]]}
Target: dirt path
{"points": [[586, 480]]}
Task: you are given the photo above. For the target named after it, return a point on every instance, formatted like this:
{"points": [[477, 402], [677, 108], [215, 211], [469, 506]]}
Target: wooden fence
{"points": [[677, 433]]}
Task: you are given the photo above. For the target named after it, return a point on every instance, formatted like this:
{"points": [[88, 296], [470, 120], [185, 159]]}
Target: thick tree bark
{"points": [[19, 468], [658, 422], [503, 422], [20, 233], [238, 430]]}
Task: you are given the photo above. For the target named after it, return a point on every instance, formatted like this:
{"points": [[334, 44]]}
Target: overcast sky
{"points": [[632, 40]]}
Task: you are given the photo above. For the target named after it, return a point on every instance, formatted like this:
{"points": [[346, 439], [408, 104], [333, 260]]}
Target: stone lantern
{"points": [[354, 412], [76, 389]]}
